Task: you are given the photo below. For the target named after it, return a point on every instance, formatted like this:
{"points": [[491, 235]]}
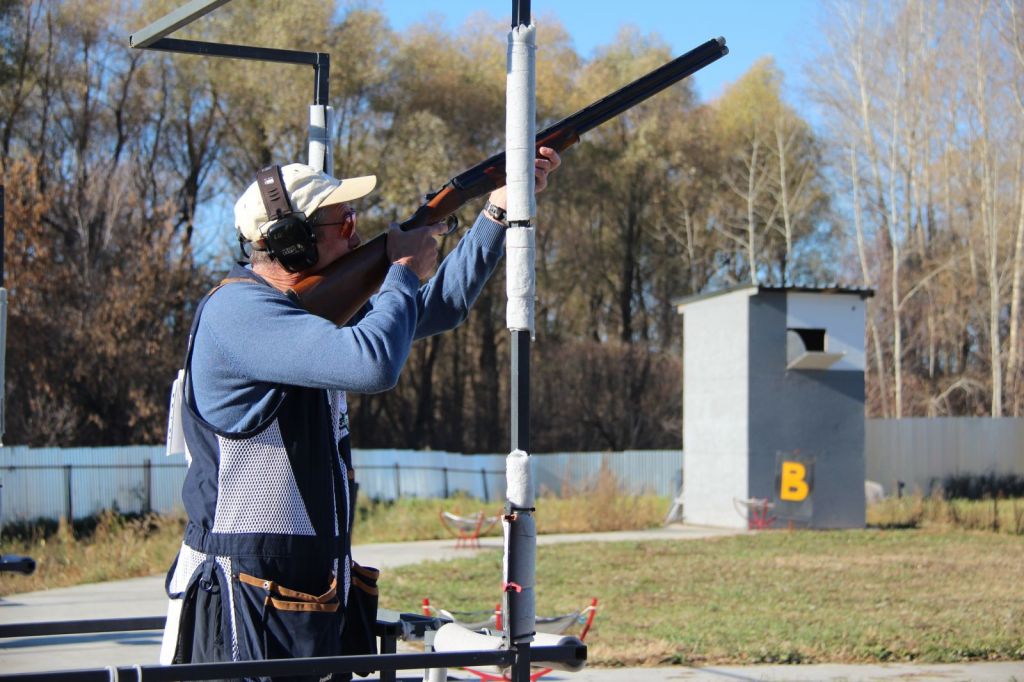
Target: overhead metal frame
{"points": [[154, 37], [320, 61], [172, 21]]}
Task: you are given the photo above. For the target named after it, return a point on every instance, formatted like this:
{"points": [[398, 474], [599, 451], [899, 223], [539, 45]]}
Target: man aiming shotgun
{"points": [[265, 569]]}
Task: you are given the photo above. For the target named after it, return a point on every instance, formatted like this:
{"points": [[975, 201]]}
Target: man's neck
{"points": [[278, 277]]}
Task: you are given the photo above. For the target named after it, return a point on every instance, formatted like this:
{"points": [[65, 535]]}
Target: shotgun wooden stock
{"points": [[338, 291]]}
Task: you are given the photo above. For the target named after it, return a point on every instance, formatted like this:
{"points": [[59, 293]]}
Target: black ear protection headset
{"points": [[289, 237]]}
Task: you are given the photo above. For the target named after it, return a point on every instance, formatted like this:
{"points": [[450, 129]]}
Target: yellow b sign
{"points": [[794, 486]]}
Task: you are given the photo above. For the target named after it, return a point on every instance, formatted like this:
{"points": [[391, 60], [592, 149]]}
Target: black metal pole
{"points": [[520, 13], [320, 61], [67, 496], [321, 78], [147, 486], [520, 399], [1, 235], [521, 390]]}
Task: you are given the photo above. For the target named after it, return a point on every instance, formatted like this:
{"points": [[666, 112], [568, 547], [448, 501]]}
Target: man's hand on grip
{"points": [[417, 248], [545, 164]]}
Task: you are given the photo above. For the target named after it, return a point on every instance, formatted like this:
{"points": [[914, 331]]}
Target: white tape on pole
{"points": [[520, 122], [520, 133], [321, 152], [520, 278], [518, 485]]}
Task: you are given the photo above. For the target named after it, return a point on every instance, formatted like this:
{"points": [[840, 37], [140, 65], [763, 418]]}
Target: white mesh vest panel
{"points": [[257, 492], [188, 561]]}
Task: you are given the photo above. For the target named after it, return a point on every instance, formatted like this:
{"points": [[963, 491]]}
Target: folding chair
{"points": [[467, 529]]}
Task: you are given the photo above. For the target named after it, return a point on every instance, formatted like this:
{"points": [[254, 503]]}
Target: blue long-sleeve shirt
{"points": [[253, 339]]}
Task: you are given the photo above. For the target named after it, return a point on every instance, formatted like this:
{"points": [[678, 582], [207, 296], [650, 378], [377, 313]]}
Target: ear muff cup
{"points": [[292, 242], [290, 239]]}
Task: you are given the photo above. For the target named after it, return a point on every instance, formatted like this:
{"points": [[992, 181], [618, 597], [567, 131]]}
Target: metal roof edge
{"points": [[681, 303], [754, 289]]}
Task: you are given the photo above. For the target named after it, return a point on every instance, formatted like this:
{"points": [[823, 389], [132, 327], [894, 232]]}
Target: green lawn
{"points": [[799, 597]]}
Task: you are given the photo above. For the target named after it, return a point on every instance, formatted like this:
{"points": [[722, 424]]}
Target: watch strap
{"points": [[496, 213]]}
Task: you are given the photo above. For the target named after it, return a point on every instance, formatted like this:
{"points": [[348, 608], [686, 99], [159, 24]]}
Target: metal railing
{"points": [[444, 471], [143, 492], [77, 483], [134, 489], [386, 663]]}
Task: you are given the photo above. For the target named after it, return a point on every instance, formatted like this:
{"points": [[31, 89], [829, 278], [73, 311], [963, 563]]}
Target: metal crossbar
{"points": [[386, 663], [172, 21]]}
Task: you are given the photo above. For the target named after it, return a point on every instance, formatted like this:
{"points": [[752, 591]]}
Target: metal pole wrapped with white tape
{"points": [[520, 561], [321, 152], [519, 565]]}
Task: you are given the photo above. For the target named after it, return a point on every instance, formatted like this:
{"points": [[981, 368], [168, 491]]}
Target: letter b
{"points": [[794, 486]]}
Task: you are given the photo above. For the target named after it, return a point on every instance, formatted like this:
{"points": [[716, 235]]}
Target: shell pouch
{"points": [[358, 638], [198, 633], [274, 621]]}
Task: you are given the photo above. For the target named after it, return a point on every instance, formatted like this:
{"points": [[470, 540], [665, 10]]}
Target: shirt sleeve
{"points": [[263, 336], [444, 301]]}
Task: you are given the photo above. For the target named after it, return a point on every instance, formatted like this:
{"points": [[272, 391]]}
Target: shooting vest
{"points": [[269, 521]]}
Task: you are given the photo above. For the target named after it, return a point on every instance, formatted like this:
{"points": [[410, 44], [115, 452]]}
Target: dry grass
{"points": [[598, 504], [916, 511], [592, 505], [109, 547]]}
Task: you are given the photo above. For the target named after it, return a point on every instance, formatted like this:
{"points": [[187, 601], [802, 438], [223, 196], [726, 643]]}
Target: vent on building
{"points": [[808, 349]]}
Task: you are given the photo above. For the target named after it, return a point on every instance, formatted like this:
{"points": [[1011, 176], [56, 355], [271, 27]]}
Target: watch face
{"points": [[496, 212]]}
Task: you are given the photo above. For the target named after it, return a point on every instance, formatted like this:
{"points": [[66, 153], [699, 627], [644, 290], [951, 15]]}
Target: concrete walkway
{"points": [[142, 597]]}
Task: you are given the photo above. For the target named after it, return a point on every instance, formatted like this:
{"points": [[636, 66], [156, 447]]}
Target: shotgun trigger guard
{"points": [[452, 222]]}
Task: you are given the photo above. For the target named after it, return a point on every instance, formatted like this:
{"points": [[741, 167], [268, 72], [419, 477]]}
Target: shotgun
{"points": [[338, 291]]}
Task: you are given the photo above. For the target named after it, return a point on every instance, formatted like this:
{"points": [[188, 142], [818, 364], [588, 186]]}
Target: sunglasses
{"points": [[351, 213]]}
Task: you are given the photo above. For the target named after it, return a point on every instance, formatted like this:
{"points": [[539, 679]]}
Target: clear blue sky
{"points": [[783, 29]]}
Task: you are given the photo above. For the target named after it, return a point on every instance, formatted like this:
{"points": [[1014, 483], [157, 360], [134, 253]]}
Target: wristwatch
{"points": [[496, 213]]}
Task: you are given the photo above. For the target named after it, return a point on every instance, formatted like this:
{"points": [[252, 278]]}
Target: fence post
{"points": [[483, 477], [398, 481], [147, 484], [68, 509], [445, 470]]}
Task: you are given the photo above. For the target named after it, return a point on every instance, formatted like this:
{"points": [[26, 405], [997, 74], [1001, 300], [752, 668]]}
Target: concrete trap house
{"points": [[773, 407]]}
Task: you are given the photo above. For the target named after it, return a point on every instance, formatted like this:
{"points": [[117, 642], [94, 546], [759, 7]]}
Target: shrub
{"points": [[980, 486]]}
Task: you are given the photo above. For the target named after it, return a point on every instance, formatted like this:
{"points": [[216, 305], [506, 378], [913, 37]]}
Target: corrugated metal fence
{"points": [[55, 482], [921, 452], [52, 482]]}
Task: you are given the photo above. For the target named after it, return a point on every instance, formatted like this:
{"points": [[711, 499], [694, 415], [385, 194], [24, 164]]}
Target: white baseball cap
{"points": [[307, 189]]}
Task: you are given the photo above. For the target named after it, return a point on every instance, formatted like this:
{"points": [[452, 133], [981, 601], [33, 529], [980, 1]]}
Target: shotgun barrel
{"points": [[490, 173], [338, 291]]}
